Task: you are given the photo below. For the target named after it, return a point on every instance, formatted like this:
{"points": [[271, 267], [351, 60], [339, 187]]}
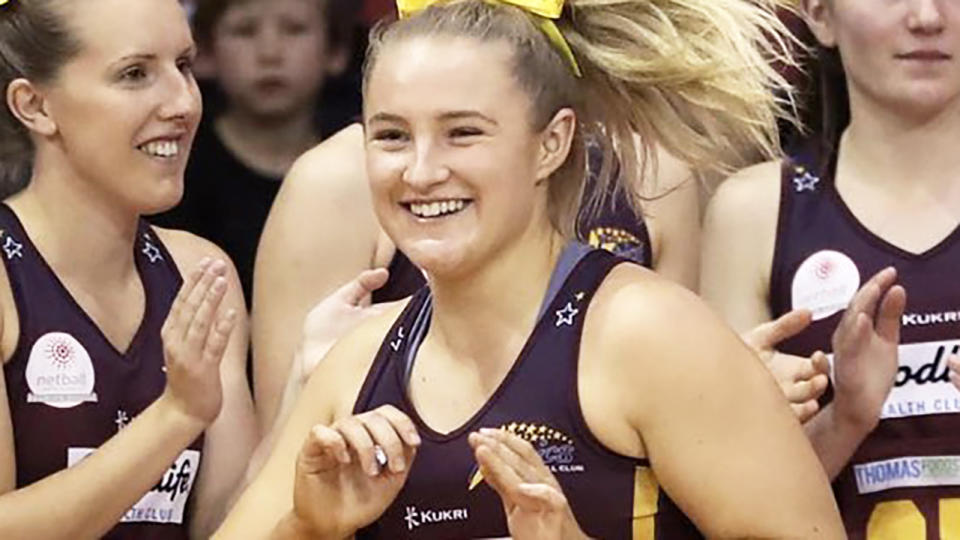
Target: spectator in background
{"points": [[270, 59]]}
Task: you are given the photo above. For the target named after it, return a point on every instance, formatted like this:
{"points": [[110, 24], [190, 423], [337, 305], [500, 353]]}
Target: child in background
{"points": [[271, 60]]}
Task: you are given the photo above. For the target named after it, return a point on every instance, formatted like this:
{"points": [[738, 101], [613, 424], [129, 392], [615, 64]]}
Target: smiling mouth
{"points": [[437, 209], [167, 149]]}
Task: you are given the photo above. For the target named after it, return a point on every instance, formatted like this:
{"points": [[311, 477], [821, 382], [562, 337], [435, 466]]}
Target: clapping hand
{"points": [[533, 501], [348, 473]]}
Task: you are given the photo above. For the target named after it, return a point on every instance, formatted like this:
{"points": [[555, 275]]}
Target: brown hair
{"points": [[34, 44], [693, 76], [339, 19]]}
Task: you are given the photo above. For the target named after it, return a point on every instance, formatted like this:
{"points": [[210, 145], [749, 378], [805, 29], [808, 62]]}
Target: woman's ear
{"points": [[819, 17], [556, 140], [28, 104]]}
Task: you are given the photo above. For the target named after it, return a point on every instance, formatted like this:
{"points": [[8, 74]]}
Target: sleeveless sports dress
{"points": [[69, 389], [904, 480], [612, 496]]}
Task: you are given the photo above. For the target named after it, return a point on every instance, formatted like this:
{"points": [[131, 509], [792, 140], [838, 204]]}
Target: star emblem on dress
{"points": [[151, 251], [566, 315], [13, 248], [122, 419], [806, 182]]}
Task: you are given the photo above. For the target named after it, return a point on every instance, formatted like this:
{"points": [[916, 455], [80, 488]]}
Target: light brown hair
{"points": [[693, 76]]}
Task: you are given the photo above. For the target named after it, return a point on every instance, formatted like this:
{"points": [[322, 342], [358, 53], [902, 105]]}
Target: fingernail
{"points": [[489, 432], [415, 438]]}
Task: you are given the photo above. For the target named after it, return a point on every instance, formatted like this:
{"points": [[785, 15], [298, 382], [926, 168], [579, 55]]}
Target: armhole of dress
{"points": [[775, 303], [577, 418], [169, 262], [12, 221]]}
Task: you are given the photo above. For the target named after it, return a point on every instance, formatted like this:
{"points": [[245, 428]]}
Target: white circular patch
{"points": [[825, 283], [59, 372]]}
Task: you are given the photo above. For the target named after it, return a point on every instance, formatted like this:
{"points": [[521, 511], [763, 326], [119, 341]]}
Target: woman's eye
{"points": [[185, 65], [389, 135], [465, 132], [133, 74]]}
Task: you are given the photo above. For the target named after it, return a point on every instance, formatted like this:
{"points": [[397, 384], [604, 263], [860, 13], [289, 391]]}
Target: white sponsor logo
{"points": [[825, 283], [167, 500], [418, 518], [926, 319], [59, 372], [905, 472], [922, 384]]}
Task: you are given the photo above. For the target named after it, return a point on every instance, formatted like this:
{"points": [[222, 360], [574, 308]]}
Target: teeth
{"points": [[163, 149], [437, 208]]}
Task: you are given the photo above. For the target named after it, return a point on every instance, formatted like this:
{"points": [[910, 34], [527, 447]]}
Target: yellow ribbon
{"points": [[546, 11]]}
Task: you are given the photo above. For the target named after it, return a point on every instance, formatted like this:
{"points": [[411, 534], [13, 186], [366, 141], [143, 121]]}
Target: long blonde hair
{"points": [[693, 76]]}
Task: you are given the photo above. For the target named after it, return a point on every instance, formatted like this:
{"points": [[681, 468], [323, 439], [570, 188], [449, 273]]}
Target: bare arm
{"points": [[321, 232], [739, 232], [329, 394], [230, 440], [720, 438], [91, 497]]}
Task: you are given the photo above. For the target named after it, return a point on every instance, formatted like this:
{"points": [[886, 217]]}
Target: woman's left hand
{"points": [[532, 498]]}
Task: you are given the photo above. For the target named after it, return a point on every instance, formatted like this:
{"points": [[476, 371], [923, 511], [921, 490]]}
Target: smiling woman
{"points": [[112, 379], [537, 388]]}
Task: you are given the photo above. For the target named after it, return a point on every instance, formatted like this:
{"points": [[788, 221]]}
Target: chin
{"points": [[161, 202], [439, 259]]}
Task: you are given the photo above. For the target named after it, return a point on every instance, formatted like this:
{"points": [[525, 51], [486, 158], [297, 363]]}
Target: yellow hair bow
{"points": [[546, 11]]}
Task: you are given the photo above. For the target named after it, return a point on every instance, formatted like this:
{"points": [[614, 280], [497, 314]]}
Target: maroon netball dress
{"points": [[904, 480], [613, 496], [70, 390]]}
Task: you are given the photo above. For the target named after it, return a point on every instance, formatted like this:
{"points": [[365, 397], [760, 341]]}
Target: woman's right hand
{"points": [[195, 337], [340, 486], [865, 347], [802, 380]]}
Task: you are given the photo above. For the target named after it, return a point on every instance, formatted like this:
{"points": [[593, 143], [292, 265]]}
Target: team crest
{"points": [[617, 241], [556, 449]]}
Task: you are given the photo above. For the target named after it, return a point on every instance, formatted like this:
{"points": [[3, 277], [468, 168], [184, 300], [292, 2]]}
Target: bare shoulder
{"points": [[635, 304], [334, 169], [749, 197], [650, 328], [187, 249], [341, 374]]}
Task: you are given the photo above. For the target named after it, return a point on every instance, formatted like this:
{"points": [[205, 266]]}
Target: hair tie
{"points": [[546, 11]]}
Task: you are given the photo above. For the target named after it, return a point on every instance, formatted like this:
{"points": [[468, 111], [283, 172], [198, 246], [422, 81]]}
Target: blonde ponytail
{"points": [[695, 77]]}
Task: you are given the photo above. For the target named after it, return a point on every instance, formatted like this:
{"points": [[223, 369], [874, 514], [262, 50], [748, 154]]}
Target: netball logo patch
{"points": [[59, 372], [825, 283]]}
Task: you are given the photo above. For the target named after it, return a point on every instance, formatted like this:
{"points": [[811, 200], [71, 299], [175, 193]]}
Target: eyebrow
{"points": [[191, 50], [449, 115]]}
